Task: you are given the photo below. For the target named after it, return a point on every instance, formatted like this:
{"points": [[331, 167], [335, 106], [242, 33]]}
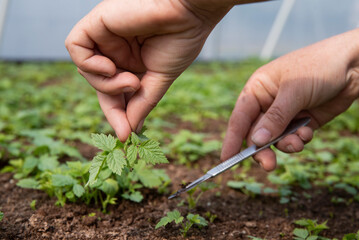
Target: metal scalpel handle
{"points": [[250, 151]]}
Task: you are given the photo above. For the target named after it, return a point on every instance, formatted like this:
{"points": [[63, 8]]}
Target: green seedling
{"points": [[175, 216], [193, 198], [120, 170], [249, 188], [1, 215], [310, 231], [351, 236], [211, 217], [33, 205]]}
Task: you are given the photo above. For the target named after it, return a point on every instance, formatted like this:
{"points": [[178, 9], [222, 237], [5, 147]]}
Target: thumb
{"points": [[284, 108], [153, 87]]}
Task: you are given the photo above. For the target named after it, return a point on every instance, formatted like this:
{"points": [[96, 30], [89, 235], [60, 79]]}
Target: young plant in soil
{"points": [[119, 170], [310, 231], [175, 216], [350, 236], [193, 195], [1, 216]]}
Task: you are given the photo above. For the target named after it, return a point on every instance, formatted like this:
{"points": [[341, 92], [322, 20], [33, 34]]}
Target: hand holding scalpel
{"points": [[246, 153]]}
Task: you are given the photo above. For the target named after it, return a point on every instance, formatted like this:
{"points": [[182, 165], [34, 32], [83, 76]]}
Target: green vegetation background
{"points": [[51, 105]]}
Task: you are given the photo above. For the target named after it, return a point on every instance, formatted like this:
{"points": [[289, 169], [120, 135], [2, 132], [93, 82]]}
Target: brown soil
{"points": [[238, 214]]}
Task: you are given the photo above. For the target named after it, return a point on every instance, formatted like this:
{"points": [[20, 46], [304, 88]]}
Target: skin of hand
{"points": [[132, 51], [320, 81]]}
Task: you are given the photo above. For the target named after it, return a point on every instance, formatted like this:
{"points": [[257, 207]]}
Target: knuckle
{"points": [[276, 115]]}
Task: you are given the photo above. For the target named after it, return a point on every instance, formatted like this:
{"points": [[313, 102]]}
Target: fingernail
{"points": [[261, 137], [140, 125], [290, 148], [128, 89]]}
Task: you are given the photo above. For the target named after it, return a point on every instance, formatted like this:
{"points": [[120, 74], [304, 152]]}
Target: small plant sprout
{"points": [[191, 220], [249, 188], [175, 216], [310, 231], [211, 217], [1, 215], [351, 236], [192, 200], [92, 214], [33, 205]]}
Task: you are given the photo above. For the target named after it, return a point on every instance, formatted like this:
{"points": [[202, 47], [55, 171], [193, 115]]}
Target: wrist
{"points": [[209, 11]]}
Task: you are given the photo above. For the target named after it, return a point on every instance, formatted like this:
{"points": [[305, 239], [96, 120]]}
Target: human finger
{"points": [[284, 108], [153, 87], [244, 114], [82, 50], [290, 144], [113, 106], [121, 82], [267, 159]]}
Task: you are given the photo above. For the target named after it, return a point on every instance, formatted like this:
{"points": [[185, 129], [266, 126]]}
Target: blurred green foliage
{"points": [[48, 109]]}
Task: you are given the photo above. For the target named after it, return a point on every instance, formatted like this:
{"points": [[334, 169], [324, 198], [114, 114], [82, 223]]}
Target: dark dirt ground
{"points": [[238, 214]]}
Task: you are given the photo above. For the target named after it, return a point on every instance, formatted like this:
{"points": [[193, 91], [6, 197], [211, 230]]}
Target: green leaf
{"points": [[96, 166], [116, 161], [163, 222], [349, 189], [1, 216], [109, 186], [312, 238], [70, 195], [104, 174], [302, 233], [150, 151], [197, 219], [131, 154], [147, 177], [28, 183], [136, 197], [269, 190], [59, 180], [30, 162], [78, 169], [33, 204], [302, 222], [236, 184], [17, 163], [171, 216], [47, 162], [103, 142], [254, 187], [134, 139], [176, 216], [349, 236], [78, 190]]}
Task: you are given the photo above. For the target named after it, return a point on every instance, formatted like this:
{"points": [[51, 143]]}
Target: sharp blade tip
{"points": [[172, 196]]}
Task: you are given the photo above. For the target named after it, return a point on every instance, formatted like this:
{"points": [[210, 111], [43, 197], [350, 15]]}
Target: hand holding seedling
{"points": [[131, 52], [320, 81]]}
